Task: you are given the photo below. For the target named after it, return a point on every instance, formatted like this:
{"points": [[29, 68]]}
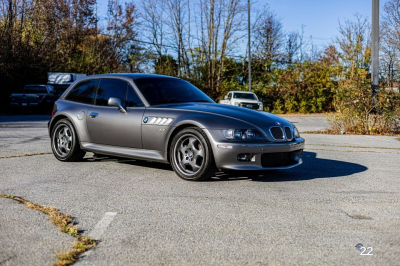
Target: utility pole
{"points": [[375, 51], [95, 16], [248, 42]]}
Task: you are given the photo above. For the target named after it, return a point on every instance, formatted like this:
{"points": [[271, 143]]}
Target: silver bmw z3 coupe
{"points": [[167, 119]]}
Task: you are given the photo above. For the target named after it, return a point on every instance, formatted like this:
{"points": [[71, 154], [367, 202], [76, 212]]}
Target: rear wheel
{"points": [[65, 143], [191, 155]]}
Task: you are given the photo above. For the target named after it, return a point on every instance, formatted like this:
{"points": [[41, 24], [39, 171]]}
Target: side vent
{"points": [[160, 121]]}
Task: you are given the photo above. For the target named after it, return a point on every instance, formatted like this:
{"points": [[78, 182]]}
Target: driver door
{"points": [[107, 124]]}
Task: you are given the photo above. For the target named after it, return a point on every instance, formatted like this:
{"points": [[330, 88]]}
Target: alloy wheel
{"points": [[63, 140], [189, 154]]}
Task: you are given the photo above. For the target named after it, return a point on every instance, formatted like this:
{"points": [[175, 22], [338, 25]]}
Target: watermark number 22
{"points": [[364, 251]]}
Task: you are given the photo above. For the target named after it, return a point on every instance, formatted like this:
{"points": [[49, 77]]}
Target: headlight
{"points": [[261, 106], [296, 133], [248, 134]]}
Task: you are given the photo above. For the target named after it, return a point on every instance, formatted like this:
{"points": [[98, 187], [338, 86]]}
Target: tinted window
{"points": [[132, 98], [111, 88], [84, 92], [35, 89], [248, 96], [170, 90]]}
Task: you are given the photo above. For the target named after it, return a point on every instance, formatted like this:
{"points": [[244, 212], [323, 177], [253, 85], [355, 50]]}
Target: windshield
{"points": [[248, 96], [170, 90], [35, 89]]}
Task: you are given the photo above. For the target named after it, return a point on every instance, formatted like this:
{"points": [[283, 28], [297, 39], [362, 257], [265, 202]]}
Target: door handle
{"points": [[93, 115]]}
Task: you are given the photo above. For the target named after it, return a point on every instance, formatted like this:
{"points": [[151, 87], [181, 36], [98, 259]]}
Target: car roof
{"points": [[130, 75], [249, 92]]}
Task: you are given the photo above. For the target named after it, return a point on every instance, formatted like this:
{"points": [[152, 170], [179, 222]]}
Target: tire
{"points": [[191, 155], [65, 142]]}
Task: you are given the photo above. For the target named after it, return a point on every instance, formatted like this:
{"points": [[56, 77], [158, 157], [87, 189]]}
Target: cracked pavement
{"points": [[346, 192]]}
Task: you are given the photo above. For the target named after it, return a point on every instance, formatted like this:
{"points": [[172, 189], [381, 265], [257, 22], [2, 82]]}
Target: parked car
{"points": [[36, 96], [61, 81], [166, 119], [243, 99]]}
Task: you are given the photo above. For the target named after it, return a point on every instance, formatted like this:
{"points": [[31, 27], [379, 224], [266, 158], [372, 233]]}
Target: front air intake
{"points": [[281, 159]]}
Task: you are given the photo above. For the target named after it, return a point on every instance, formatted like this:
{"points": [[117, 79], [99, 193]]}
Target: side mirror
{"points": [[115, 101]]}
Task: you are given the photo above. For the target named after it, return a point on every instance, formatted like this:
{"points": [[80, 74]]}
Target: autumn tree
{"points": [[153, 22], [268, 38], [122, 33], [354, 44], [390, 41]]}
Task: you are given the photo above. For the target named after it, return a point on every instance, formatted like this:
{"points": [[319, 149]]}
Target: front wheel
{"points": [[65, 143], [191, 155]]}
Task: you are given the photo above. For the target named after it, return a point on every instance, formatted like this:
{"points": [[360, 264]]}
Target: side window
{"points": [[111, 88], [229, 96], [132, 99], [83, 92]]}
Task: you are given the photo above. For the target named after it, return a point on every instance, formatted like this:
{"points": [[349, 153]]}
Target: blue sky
{"points": [[320, 17]]}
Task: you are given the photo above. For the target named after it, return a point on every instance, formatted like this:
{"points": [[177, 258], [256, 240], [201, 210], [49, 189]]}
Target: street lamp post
{"points": [[248, 42], [375, 50]]}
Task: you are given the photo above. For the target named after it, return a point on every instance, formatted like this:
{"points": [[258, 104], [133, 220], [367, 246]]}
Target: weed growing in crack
{"points": [[66, 225]]}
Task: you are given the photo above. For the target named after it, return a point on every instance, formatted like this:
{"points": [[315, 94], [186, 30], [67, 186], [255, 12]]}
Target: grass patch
{"points": [[358, 147], [346, 151], [24, 155], [334, 132], [66, 225]]}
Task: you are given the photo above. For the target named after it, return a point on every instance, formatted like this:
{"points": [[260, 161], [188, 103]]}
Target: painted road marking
{"points": [[102, 225]]}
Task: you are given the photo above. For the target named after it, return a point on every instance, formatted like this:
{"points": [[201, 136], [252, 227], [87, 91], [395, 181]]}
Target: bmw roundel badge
{"points": [[145, 120]]}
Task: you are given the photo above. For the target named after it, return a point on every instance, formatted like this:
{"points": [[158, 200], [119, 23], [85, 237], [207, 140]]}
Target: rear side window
{"points": [[111, 88], [83, 92]]}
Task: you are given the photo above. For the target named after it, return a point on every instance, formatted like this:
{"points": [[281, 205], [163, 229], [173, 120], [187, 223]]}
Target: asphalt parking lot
{"points": [[346, 192]]}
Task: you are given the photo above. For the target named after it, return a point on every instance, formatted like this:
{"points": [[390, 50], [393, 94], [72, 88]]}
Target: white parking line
{"points": [[392, 139], [102, 225]]}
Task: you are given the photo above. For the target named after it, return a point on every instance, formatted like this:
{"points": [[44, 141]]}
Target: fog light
{"points": [[296, 156], [246, 157]]}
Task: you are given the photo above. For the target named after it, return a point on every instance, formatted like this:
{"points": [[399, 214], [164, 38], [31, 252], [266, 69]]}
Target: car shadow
{"points": [[141, 163], [312, 168]]}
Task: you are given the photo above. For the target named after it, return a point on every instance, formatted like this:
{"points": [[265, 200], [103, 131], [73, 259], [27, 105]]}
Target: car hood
{"points": [[245, 100], [258, 118]]}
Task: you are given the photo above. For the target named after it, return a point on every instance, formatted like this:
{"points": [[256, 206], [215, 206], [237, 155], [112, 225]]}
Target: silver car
{"points": [[166, 119]]}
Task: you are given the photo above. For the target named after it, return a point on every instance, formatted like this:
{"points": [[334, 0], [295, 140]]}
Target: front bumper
{"points": [[24, 104], [286, 155]]}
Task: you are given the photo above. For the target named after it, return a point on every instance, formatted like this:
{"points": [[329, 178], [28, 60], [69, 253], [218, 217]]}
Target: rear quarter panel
{"points": [[76, 113]]}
